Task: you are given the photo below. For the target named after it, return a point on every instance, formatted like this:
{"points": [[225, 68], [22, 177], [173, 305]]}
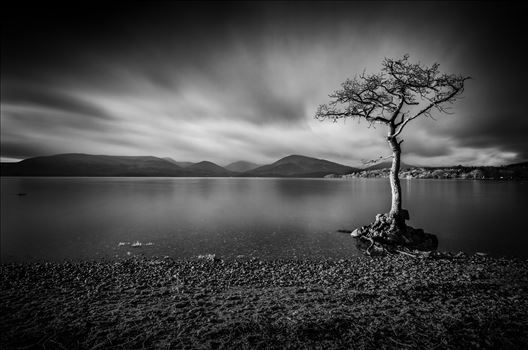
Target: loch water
{"points": [[57, 218]]}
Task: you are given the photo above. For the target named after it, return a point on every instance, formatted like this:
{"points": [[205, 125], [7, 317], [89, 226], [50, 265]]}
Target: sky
{"points": [[229, 81]]}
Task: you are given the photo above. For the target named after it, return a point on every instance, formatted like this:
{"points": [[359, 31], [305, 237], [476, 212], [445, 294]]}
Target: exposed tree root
{"points": [[389, 234]]}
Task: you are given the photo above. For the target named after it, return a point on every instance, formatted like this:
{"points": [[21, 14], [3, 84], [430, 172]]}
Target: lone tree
{"points": [[401, 92]]}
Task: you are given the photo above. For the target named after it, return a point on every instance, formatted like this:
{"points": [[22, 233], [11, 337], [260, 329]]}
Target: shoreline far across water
{"points": [[389, 302]]}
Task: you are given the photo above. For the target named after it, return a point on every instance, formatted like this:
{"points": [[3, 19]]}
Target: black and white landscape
{"points": [[246, 175], [100, 165]]}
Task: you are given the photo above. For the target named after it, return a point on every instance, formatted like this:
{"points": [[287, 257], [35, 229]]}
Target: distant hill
{"points": [[386, 165], [299, 166], [241, 166], [180, 164], [76, 164], [523, 165], [206, 168]]}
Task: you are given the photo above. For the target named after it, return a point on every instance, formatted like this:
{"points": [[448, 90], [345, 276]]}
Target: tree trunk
{"points": [[396, 203]]}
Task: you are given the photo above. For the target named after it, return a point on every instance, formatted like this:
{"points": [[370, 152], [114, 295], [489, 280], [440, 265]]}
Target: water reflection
{"points": [[87, 217]]}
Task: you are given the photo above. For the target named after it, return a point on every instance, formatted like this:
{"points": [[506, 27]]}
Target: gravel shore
{"points": [[361, 303]]}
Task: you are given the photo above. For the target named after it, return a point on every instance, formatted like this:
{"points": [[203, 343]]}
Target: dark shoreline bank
{"points": [[391, 302]]}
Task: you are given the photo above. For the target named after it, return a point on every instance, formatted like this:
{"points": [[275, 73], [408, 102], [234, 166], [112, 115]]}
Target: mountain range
{"points": [[76, 164]]}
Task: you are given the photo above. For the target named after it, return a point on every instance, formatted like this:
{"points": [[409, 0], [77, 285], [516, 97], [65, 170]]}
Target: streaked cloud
{"points": [[242, 81]]}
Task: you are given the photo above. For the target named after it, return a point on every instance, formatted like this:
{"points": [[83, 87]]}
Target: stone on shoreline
{"points": [[355, 233], [209, 257], [387, 234]]}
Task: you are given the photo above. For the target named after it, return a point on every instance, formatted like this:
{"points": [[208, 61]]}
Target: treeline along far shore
{"points": [[517, 171]]}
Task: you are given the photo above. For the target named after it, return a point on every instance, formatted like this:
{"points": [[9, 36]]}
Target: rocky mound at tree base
{"points": [[389, 234]]}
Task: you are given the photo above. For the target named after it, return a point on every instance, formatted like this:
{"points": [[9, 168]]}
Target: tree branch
{"points": [[400, 105], [374, 161], [436, 103], [381, 97]]}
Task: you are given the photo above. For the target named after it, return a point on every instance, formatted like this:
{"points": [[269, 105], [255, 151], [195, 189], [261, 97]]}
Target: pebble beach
{"points": [[393, 302]]}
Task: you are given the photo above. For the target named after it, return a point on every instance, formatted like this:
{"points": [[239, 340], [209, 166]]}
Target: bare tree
{"points": [[400, 93]]}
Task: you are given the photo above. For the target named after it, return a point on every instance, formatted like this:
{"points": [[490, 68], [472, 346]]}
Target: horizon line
{"points": [[7, 160]]}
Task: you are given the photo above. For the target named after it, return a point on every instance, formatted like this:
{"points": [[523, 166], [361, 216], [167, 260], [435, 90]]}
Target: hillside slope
{"points": [[300, 166], [76, 164], [241, 166]]}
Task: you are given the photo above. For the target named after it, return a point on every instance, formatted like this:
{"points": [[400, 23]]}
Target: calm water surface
{"points": [[79, 218]]}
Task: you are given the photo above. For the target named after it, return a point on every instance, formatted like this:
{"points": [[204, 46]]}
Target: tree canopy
{"points": [[401, 92]]}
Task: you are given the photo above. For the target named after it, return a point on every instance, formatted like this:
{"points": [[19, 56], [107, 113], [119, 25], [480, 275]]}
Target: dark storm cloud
{"points": [[505, 131], [46, 97], [18, 150], [243, 79]]}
